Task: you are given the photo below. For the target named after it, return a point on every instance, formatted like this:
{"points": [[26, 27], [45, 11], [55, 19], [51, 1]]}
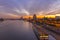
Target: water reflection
{"points": [[27, 25], [51, 38], [1, 21], [16, 30]]}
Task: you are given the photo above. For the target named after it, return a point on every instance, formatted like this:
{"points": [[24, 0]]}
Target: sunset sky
{"points": [[28, 7]]}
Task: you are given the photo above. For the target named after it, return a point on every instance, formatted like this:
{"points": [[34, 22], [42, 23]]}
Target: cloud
{"points": [[55, 7], [16, 10], [11, 14], [27, 7], [8, 15], [21, 11], [1, 6], [25, 11]]}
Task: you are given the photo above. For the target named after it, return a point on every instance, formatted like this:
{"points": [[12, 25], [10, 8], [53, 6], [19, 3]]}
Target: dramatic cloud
{"points": [[29, 7], [55, 7]]}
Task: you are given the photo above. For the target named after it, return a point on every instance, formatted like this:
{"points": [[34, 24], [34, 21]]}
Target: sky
{"points": [[29, 7]]}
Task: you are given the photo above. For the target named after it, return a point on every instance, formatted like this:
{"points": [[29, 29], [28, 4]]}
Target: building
{"points": [[57, 17], [34, 17]]}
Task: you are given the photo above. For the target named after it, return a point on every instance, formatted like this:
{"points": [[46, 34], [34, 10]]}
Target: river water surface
{"points": [[16, 30]]}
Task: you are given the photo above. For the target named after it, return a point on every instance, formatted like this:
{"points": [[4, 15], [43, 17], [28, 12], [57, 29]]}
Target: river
{"points": [[16, 30]]}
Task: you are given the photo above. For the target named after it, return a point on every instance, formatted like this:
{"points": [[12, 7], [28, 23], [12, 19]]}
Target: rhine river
{"points": [[16, 30]]}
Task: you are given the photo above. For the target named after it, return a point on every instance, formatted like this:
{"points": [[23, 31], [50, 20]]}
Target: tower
{"points": [[34, 17]]}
